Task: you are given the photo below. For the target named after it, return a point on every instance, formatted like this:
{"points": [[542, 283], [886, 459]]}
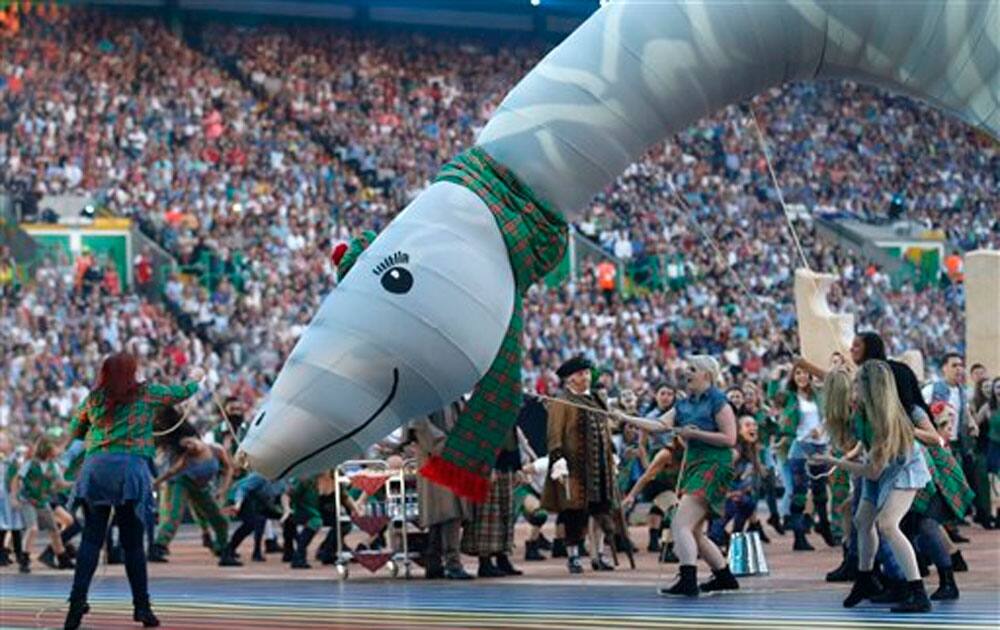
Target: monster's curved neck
{"points": [[638, 71]]}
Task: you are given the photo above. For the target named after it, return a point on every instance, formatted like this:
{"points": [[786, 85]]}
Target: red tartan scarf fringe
{"points": [[462, 482]]}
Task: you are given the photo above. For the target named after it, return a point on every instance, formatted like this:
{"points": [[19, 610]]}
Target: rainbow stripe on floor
{"points": [[39, 601]]}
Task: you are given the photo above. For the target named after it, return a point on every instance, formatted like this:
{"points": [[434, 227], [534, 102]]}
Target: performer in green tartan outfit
{"points": [[185, 492], [945, 499], [301, 501], [707, 423], [189, 480], [116, 420]]}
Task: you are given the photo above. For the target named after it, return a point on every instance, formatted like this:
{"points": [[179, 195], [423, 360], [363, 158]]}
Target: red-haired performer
{"points": [[116, 420]]}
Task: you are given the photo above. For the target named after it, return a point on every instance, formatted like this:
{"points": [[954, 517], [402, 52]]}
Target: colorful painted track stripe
{"points": [[39, 601]]}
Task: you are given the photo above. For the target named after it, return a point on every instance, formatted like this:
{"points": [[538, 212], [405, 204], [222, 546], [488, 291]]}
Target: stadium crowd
{"points": [[248, 153], [249, 180]]}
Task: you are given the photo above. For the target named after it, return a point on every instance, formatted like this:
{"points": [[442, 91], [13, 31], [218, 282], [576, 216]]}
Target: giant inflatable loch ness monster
{"points": [[431, 309]]}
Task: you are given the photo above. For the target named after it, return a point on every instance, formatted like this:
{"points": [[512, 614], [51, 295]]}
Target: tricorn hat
{"points": [[574, 365]]}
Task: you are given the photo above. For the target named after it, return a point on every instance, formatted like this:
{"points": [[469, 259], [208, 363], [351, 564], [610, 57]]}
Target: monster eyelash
{"points": [[399, 258]]}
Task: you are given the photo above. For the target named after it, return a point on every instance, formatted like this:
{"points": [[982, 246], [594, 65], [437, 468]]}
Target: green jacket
{"points": [[791, 416]]}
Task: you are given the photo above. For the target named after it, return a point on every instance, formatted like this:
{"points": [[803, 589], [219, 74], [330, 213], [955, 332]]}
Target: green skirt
{"points": [[707, 473]]}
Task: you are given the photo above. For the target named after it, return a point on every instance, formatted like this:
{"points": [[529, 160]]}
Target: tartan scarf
{"points": [[536, 237]]}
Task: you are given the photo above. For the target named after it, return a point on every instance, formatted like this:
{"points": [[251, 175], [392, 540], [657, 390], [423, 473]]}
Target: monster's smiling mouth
{"points": [[352, 432]]}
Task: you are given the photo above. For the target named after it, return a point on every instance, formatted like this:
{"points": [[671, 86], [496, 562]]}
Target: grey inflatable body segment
{"points": [[638, 71]]}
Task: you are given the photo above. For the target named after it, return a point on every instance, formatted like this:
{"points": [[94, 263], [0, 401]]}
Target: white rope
{"points": [[777, 187], [617, 415], [187, 410], [822, 475], [834, 334]]}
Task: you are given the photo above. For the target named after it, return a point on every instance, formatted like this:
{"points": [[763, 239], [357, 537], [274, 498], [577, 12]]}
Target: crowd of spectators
{"points": [[248, 156]]}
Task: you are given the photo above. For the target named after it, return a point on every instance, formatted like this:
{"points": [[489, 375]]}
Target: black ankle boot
{"points": [[948, 590], [63, 561], [823, 529], [503, 564], [532, 552], [893, 592], [654, 539], [145, 616], [775, 521], [722, 580], [802, 543], [488, 570], [74, 617], [24, 563], [299, 560], [686, 585], [916, 599], [756, 527], [865, 587], [157, 553], [600, 563], [228, 558], [558, 548], [846, 572], [958, 564]]}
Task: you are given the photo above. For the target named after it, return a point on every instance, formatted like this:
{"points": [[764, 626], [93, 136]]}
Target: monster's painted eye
{"points": [[397, 280]]}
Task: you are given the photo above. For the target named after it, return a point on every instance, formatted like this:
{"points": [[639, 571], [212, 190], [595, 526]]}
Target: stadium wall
{"points": [[554, 18]]}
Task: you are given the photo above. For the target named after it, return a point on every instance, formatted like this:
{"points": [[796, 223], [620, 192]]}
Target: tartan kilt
{"points": [[491, 528], [948, 481], [840, 486], [707, 472]]}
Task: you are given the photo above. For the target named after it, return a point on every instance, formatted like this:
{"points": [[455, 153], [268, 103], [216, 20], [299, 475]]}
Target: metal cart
{"points": [[397, 507]]}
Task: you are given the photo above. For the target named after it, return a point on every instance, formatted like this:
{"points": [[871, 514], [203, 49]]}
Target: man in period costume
{"points": [[580, 484]]}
